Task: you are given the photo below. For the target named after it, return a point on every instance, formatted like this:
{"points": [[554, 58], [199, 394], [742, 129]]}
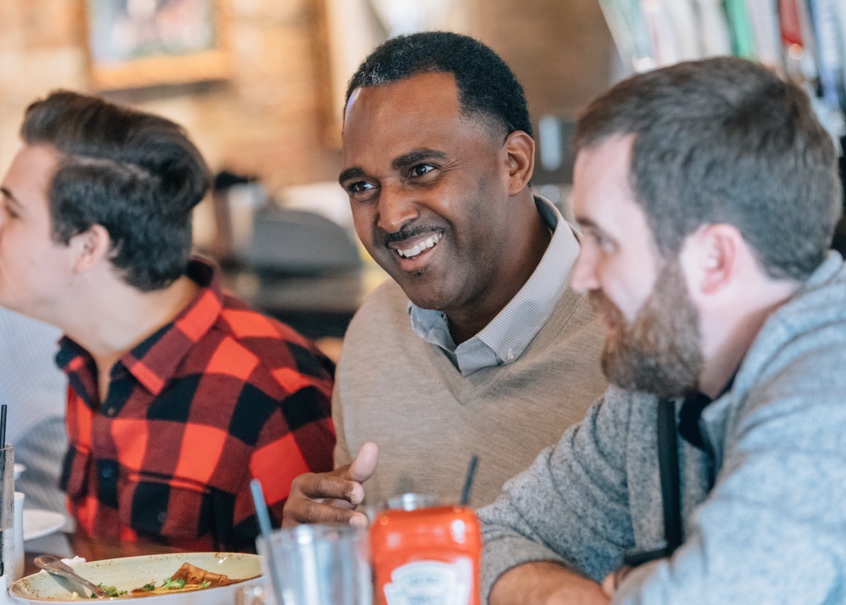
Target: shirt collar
{"points": [[154, 361], [508, 335], [691, 412]]}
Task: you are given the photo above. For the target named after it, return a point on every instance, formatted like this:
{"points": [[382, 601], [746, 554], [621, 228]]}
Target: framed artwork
{"points": [[138, 43]]}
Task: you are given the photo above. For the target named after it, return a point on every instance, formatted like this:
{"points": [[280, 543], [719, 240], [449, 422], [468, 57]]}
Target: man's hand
{"points": [[546, 583], [612, 580], [331, 497]]}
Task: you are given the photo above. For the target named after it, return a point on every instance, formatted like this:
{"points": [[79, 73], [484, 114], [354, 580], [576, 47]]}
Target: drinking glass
{"points": [[318, 565], [20, 498], [254, 594], [7, 512]]}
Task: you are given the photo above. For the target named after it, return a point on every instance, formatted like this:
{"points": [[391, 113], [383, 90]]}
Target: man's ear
{"points": [[520, 160], [713, 257], [90, 248]]}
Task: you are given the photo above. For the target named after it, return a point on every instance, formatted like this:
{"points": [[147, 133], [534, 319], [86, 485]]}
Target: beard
{"points": [[659, 352]]}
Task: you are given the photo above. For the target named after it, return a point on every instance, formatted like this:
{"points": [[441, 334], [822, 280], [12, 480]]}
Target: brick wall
{"points": [[269, 118]]}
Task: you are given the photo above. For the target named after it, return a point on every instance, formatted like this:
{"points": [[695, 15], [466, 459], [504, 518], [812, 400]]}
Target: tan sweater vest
{"points": [[428, 420]]}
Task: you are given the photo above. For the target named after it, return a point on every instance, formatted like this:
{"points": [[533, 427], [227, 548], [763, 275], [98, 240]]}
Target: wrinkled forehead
{"points": [[427, 95], [387, 120]]}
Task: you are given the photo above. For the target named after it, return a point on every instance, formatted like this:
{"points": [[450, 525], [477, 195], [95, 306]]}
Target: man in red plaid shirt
{"points": [[179, 393]]}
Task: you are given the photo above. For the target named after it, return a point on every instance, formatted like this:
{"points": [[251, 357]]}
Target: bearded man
{"points": [[712, 470]]}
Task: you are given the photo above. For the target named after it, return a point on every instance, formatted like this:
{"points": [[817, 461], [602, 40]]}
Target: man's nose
{"points": [[584, 276], [396, 208]]}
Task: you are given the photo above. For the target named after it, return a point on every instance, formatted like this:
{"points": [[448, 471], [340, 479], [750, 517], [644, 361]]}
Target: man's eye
{"points": [[421, 169], [361, 190], [603, 242]]}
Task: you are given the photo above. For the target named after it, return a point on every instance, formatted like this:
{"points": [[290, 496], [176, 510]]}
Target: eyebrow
{"points": [[350, 173], [10, 197], [586, 222], [416, 156], [404, 161]]}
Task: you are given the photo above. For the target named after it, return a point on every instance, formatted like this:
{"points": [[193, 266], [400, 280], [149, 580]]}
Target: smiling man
{"points": [[477, 345], [712, 471], [179, 393]]}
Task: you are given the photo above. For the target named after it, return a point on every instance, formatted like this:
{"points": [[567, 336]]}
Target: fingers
{"points": [[313, 511], [608, 585], [331, 497], [333, 485], [612, 580], [364, 465]]}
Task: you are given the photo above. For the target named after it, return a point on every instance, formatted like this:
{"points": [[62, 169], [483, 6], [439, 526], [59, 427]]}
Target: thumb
{"points": [[364, 464]]}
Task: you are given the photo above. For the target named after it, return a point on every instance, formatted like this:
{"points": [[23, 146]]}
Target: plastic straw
{"points": [[468, 481], [265, 529], [3, 425], [261, 508]]}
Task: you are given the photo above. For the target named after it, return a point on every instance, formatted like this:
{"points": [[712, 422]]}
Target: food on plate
{"points": [[187, 577], [111, 590]]}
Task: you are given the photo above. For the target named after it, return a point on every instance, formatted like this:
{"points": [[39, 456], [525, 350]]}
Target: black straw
{"points": [[468, 482], [3, 425]]}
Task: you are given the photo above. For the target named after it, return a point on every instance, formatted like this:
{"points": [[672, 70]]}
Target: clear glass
{"points": [[18, 531], [413, 502], [7, 512], [409, 501], [318, 565], [255, 594]]}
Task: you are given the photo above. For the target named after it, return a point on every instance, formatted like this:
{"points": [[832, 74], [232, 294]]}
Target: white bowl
{"points": [[133, 572]]}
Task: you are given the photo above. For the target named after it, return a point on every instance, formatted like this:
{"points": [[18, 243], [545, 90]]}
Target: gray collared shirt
{"points": [[508, 334]]}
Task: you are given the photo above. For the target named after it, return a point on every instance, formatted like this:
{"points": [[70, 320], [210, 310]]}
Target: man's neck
{"points": [[727, 351], [529, 238], [122, 317]]}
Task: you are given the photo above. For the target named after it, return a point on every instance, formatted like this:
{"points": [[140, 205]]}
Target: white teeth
{"points": [[424, 245]]}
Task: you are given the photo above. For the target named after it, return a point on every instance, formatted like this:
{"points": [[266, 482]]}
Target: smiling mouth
{"points": [[419, 248]]}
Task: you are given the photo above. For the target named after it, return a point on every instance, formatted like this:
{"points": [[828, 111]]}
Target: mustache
{"points": [[602, 305], [409, 232]]}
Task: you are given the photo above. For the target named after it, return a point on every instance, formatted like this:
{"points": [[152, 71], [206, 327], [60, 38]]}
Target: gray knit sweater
{"points": [[772, 529], [394, 388]]}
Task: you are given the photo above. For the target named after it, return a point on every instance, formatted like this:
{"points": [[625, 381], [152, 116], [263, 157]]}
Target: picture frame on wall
{"points": [[141, 43]]}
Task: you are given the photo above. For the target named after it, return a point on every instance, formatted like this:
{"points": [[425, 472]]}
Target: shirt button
{"points": [[510, 356], [162, 516], [110, 412], [107, 472]]}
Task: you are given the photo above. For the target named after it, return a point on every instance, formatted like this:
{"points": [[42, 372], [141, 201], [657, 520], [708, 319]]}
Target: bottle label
{"points": [[431, 583]]}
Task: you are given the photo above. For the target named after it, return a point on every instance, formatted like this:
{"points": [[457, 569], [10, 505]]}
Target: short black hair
{"points": [[725, 140], [486, 85], [136, 174]]}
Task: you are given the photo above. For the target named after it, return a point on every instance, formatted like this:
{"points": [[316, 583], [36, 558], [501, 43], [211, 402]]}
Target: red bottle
{"points": [[426, 555]]}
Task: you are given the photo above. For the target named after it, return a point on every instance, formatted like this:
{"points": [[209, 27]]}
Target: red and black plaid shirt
{"points": [[219, 396]]}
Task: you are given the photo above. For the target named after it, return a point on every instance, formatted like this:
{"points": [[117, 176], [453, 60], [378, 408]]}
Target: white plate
{"points": [[40, 523], [134, 572], [19, 468]]}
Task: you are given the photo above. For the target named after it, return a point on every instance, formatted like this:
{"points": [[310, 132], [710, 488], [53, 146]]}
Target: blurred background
{"points": [[259, 85], [274, 110]]}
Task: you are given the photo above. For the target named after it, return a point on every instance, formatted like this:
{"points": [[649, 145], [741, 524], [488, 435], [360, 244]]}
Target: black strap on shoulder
{"points": [[668, 465], [668, 461]]}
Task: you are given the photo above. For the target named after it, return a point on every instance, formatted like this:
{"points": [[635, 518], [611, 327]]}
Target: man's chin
{"points": [[425, 297], [649, 376]]}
